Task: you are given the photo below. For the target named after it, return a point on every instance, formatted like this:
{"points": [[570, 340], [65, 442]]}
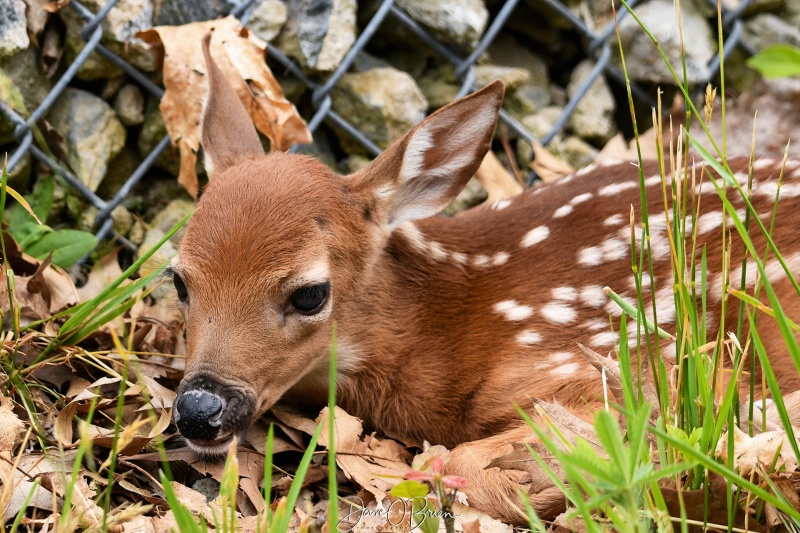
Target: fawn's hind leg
{"points": [[495, 490]]}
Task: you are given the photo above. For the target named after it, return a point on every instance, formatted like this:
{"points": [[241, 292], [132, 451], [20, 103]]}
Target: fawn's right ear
{"points": [[227, 134], [420, 174]]}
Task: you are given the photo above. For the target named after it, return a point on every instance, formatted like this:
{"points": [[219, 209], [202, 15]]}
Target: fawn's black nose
{"points": [[196, 414]]}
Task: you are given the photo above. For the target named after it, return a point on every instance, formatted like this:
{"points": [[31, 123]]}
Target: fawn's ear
{"points": [[227, 134], [420, 174]]}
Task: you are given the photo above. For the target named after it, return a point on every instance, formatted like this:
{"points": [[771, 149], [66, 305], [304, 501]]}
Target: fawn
{"points": [[443, 323]]}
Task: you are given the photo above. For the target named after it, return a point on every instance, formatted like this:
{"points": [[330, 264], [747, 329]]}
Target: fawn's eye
{"points": [[180, 286], [311, 299]]}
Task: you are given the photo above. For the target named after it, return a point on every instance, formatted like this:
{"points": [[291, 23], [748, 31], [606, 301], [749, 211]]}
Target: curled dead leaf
{"points": [[497, 181], [548, 166], [356, 458], [758, 452], [241, 57]]}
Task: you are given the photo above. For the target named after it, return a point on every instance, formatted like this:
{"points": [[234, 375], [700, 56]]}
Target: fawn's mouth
{"points": [[218, 446]]}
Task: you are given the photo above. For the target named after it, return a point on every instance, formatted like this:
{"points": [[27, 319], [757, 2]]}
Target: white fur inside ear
{"points": [[423, 185]]}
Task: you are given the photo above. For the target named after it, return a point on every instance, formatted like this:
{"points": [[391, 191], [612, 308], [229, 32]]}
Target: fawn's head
{"points": [[279, 244]]}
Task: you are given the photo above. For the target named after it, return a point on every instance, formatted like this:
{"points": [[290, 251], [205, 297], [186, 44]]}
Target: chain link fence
{"points": [[597, 44]]}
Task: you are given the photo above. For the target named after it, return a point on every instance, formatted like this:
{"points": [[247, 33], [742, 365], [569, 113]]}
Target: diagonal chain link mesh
{"points": [[596, 44]]}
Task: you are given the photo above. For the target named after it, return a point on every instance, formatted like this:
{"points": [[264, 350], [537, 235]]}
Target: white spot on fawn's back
{"points": [[501, 204], [613, 220], [500, 258], [565, 371], [513, 311], [558, 313], [590, 256], [528, 338], [535, 236], [564, 293], [593, 296], [562, 211], [616, 188]]}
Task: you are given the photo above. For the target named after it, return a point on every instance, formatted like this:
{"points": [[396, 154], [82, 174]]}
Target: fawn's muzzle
{"points": [[209, 413]]}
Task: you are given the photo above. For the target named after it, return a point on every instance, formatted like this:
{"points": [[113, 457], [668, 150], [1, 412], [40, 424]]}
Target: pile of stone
{"points": [[105, 123]]}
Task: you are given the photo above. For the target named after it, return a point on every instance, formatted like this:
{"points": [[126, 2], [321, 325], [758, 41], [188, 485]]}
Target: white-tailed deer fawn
{"points": [[444, 324]]}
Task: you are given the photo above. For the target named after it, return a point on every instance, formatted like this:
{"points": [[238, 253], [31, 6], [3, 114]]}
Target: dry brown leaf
{"points": [[42, 289], [257, 438], [702, 507], [472, 520], [356, 459], [55, 6], [160, 396], [21, 481], [294, 420], [789, 493], [760, 451], [37, 17], [547, 166], [497, 181], [241, 57], [618, 149], [82, 505], [10, 426], [102, 274]]}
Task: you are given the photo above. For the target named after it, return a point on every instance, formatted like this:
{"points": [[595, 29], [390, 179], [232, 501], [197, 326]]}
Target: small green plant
{"points": [[427, 474], [777, 61], [39, 240]]}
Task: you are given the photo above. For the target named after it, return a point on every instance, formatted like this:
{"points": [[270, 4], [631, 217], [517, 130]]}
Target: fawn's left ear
{"points": [[227, 134], [420, 174]]}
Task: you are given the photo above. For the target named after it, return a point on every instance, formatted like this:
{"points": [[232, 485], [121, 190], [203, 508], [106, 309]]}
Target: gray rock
{"points": [[175, 211], [179, 12], [159, 259], [24, 72], [791, 12], [268, 18], [384, 103], [123, 220], [458, 22], [19, 178], [13, 28], [472, 195], [755, 6], [165, 220], [92, 133], [527, 100], [129, 105], [153, 130], [505, 50], [641, 56], [319, 32], [577, 152], [119, 34], [533, 94], [542, 122], [119, 170], [438, 90], [593, 118], [513, 77], [208, 487], [353, 163], [766, 29]]}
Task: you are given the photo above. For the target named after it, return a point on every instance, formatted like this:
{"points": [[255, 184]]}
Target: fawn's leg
{"points": [[499, 467]]}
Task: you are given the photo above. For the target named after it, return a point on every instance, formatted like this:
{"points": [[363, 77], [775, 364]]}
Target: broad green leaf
{"points": [[777, 61], [21, 222], [67, 245], [427, 523], [409, 489]]}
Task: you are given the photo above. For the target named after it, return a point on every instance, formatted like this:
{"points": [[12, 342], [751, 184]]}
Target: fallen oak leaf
{"points": [[241, 57]]}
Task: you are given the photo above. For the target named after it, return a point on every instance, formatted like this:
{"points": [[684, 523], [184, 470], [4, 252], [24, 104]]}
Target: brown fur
{"points": [[433, 359]]}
